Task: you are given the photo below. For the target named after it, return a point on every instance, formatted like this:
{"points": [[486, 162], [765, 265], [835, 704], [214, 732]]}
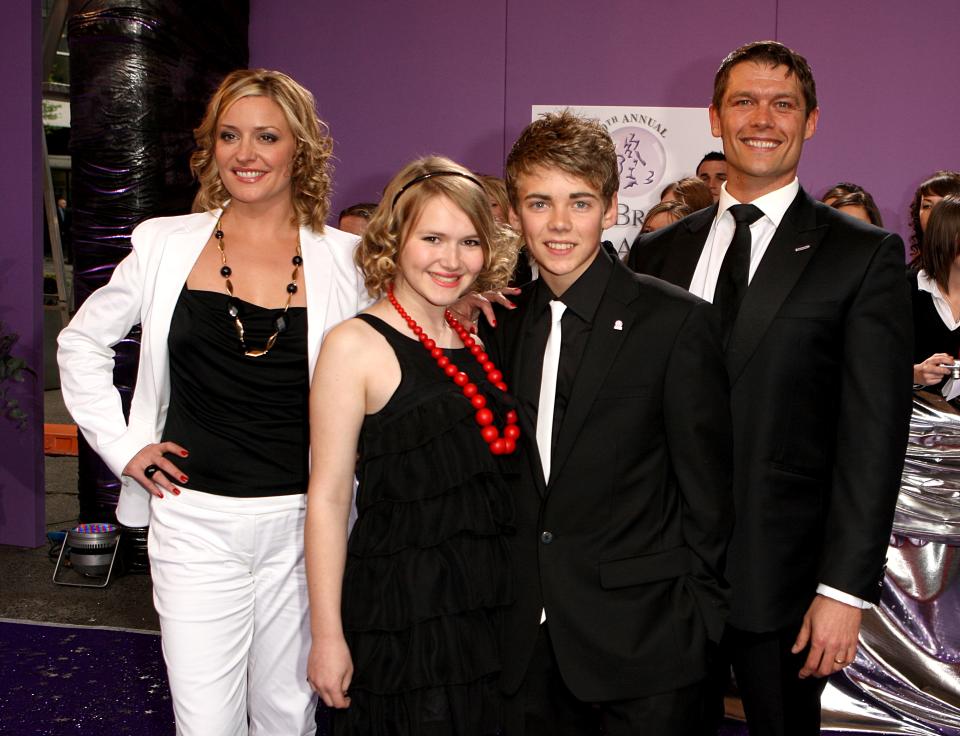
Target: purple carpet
{"points": [[58, 680], [77, 680]]}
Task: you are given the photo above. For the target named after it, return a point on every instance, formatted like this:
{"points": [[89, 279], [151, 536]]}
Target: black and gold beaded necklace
{"points": [[233, 304]]}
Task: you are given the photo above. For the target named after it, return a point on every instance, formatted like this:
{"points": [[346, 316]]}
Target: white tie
{"points": [[548, 388]]}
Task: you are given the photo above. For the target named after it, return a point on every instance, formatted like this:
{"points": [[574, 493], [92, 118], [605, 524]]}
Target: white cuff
{"points": [[839, 595]]}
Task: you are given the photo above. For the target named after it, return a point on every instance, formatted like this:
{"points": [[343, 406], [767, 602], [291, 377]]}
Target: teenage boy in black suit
{"points": [[624, 511]]}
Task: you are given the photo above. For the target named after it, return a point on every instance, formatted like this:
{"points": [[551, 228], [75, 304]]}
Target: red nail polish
{"points": [[183, 453], [494, 323], [183, 479], [176, 491], [161, 494]]}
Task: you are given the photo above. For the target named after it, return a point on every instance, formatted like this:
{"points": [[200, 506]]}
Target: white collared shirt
{"points": [[927, 284], [773, 205]]}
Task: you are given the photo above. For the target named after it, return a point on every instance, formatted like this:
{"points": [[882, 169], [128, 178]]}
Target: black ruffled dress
{"points": [[428, 568]]}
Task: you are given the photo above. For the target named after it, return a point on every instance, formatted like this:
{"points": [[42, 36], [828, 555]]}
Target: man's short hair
{"points": [[577, 146], [773, 54], [712, 156], [361, 209]]}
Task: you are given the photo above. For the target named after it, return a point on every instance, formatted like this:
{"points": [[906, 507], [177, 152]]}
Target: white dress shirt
{"points": [[927, 284], [774, 206]]}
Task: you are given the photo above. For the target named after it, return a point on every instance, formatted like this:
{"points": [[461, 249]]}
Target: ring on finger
{"points": [[150, 471]]}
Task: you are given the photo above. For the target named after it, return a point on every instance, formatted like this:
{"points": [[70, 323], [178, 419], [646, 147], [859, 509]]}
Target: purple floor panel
{"points": [[58, 680]]}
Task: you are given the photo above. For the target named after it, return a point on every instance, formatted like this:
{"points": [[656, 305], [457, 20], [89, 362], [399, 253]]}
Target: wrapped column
{"points": [[141, 72]]}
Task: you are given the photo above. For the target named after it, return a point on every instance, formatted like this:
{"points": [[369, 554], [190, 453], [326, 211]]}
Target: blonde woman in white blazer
{"points": [[214, 454]]}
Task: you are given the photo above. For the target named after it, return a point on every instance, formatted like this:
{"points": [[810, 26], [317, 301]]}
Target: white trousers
{"points": [[230, 589]]}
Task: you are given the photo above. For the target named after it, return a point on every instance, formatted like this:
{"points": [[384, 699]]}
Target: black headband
{"points": [[430, 175]]}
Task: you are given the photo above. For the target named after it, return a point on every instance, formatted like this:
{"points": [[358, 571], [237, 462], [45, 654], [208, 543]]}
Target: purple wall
{"points": [[389, 80], [396, 80], [21, 299], [888, 95]]}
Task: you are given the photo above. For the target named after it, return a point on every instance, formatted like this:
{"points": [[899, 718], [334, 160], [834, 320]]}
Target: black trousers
{"points": [[544, 706], [776, 701]]}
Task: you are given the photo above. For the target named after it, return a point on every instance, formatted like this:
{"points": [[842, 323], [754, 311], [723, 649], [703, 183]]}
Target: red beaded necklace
{"points": [[499, 445]]}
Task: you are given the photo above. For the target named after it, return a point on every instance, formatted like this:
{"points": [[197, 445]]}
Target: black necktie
{"points": [[732, 280]]}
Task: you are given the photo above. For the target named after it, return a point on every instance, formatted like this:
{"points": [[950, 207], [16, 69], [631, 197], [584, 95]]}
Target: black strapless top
{"points": [[243, 420]]}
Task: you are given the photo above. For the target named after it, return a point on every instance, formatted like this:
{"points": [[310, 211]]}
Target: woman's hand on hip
{"points": [[330, 670], [154, 472]]}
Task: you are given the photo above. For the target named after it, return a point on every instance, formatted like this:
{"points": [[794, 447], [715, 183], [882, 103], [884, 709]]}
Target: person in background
{"points": [[215, 453], [941, 184], [496, 190], [355, 218], [838, 190], [689, 190], [526, 269], [64, 217], [859, 205], [663, 214], [405, 614], [935, 288], [712, 171], [660, 215]]}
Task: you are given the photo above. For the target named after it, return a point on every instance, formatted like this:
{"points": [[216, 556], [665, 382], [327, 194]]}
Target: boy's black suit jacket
{"points": [[625, 547]]}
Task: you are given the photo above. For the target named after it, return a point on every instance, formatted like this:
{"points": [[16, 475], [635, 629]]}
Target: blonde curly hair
{"points": [[310, 179], [400, 208]]}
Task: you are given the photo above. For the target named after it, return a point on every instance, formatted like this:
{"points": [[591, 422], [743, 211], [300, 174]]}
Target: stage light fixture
{"points": [[91, 550]]}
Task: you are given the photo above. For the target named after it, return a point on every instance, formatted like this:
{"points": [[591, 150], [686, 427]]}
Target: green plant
{"points": [[12, 370]]}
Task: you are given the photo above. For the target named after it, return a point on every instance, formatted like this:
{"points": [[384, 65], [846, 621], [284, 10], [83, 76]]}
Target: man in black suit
{"points": [[817, 330], [624, 510]]}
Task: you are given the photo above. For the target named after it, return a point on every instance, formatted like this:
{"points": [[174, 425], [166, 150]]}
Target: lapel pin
{"points": [[802, 247], [618, 325]]}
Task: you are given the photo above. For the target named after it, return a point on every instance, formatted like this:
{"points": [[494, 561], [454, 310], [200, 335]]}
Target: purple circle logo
{"points": [[641, 159]]}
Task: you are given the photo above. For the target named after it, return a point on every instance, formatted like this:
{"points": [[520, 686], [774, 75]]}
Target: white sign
{"points": [[655, 146]]}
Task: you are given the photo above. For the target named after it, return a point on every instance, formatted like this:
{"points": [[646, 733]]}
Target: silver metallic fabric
{"points": [[906, 677]]}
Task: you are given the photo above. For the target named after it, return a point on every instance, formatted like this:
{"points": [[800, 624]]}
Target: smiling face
{"points": [[440, 257], [561, 218], [254, 151], [763, 122]]}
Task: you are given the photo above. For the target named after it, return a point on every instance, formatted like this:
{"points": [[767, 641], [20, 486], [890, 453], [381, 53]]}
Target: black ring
{"points": [[150, 470]]}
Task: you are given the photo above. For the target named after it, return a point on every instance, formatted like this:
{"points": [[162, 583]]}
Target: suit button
{"points": [[546, 537]]}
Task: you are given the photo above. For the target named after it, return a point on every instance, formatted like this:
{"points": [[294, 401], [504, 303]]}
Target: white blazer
{"points": [[143, 290]]}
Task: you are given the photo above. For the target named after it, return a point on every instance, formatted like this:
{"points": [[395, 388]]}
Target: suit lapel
{"points": [[180, 253], [317, 274], [602, 349], [514, 334], [794, 244], [685, 251]]}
